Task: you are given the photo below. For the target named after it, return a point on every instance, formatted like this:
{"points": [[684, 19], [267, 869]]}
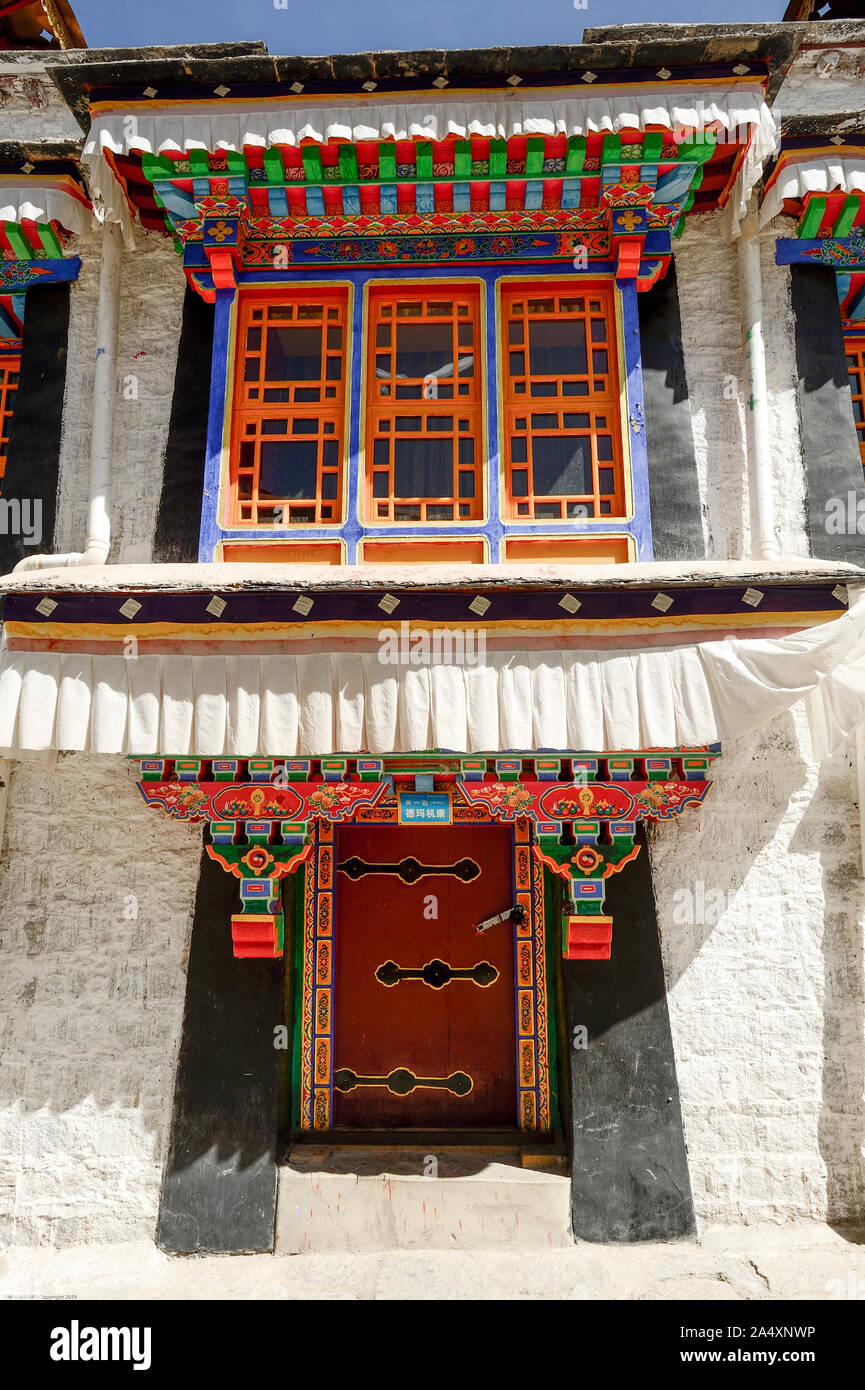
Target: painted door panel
{"points": [[437, 1029]]}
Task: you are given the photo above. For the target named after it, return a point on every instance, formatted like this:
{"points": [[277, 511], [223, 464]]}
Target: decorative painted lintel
{"points": [[585, 810]]}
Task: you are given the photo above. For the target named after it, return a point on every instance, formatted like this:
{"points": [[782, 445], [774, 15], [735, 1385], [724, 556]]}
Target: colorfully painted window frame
{"points": [[10, 365], [492, 532], [517, 286], [251, 408], [854, 346], [434, 530]]}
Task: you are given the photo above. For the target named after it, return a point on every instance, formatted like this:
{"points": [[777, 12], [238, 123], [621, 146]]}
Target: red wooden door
{"points": [[416, 1044]]}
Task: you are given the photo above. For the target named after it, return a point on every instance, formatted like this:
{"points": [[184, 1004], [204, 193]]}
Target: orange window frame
{"points": [[305, 415], [561, 381], [855, 349], [431, 409], [9, 370]]}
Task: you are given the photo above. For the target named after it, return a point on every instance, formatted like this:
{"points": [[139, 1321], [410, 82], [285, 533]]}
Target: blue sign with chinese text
{"points": [[425, 808]]}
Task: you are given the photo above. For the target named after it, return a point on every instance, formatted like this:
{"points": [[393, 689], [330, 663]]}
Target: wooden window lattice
{"points": [[561, 403], [9, 369], [424, 405], [287, 440], [856, 368]]}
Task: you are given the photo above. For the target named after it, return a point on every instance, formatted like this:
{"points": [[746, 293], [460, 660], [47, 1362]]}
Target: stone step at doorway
{"points": [[416, 1198]]}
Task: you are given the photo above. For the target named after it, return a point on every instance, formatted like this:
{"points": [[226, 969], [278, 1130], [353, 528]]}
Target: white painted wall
{"points": [[827, 79], [31, 107], [151, 308], [707, 275], [91, 1000], [766, 993]]}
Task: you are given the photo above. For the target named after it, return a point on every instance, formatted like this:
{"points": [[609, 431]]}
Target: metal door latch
{"points": [[510, 914]]}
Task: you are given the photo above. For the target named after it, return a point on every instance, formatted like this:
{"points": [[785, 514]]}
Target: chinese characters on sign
{"points": [[425, 808]]}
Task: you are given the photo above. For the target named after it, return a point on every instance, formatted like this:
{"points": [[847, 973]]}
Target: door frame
{"points": [[314, 1002]]}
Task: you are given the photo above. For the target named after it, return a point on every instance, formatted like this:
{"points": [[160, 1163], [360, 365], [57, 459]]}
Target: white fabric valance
{"points": [[41, 202], [221, 125], [322, 703], [812, 175]]}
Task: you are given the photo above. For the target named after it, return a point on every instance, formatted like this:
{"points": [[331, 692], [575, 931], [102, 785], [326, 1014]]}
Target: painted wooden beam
{"points": [[812, 217], [700, 148], [273, 165], [463, 159], [847, 216], [611, 149], [535, 156], [424, 160], [18, 241], [199, 163], [50, 241], [498, 159], [576, 156], [386, 162], [348, 163], [311, 157], [837, 253]]}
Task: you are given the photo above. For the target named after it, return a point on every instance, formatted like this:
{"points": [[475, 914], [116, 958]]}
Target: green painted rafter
{"points": [[812, 217]]}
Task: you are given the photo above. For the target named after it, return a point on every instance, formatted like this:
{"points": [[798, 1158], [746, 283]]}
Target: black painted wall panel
{"points": [[33, 453], [833, 468], [178, 519], [677, 529], [629, 1179], [219, 1189]]}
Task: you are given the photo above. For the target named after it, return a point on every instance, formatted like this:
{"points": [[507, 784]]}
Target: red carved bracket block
{"points": [[257, 937], [588, 938]]}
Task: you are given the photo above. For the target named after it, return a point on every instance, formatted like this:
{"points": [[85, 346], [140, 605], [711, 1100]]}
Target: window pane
{"points": [[293, 354], [557, 348], [562, 464], [423, 468], [288, 469], [423, 349]]}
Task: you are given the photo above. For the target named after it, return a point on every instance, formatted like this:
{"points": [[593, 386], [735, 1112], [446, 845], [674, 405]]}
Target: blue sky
{"points": [[350, 26]]}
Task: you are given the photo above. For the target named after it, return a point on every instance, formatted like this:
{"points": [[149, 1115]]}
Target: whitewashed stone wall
{"points": [[151, 308], [708, 280], [31, 107], [91, 1000], [761, 909], [825, 79]]}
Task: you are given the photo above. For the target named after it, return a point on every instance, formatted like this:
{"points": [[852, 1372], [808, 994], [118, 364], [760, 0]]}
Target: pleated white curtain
{"points": [[41, 203], [317, 704], [819, 175]]}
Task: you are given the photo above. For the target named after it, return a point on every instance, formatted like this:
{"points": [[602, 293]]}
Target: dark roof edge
{"points": [[644, 47]]}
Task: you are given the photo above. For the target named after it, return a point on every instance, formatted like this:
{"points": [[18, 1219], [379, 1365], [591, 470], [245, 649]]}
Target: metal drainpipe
{"points": [[98, 541], [764, 544]]}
